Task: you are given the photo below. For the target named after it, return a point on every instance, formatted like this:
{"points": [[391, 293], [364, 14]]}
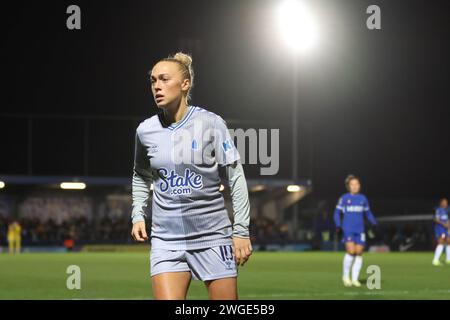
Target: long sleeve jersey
{"points": [[353, 207], [182, 162]]}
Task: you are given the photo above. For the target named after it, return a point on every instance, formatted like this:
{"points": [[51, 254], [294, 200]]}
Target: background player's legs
{"points": [[357, 264], [438, 251], [447, 250], [10, 245], [18, 244], [347, 263], [171, 285], [222, 289]]}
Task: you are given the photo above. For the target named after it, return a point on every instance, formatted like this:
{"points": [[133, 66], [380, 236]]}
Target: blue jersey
{"points": [[353, 207], [440, 215]]}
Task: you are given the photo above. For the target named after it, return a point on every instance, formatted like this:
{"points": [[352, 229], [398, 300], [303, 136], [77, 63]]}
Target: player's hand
{"points": [[376, 232], [138, 232], [372, 232], [242, 249]]}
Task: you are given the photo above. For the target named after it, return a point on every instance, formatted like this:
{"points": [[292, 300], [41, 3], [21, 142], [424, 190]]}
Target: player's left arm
{"points": [[447, 223], [228, 158], [369, 213], [241, 209]]}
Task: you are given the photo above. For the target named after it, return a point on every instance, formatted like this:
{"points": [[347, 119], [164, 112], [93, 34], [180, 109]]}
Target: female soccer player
{"points": [[441, 225], [353, 206], [180, 151]]}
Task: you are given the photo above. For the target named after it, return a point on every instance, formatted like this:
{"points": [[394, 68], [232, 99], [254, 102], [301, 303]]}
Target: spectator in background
{"points": [[69, 243], [14, 237], [323, 227]]}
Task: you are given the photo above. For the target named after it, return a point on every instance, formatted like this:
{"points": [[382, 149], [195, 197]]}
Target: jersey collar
{"points": [[186, 117]]}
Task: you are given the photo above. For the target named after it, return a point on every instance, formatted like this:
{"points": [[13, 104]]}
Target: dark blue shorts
{"points": [[356, 237], [441, 233]]}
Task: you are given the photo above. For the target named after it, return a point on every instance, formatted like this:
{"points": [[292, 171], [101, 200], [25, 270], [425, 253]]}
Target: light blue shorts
{"points": [[204, 264]]}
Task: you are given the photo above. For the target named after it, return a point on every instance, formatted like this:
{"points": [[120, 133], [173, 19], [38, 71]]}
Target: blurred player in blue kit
{"points": [[441, 225], [353, 206]]}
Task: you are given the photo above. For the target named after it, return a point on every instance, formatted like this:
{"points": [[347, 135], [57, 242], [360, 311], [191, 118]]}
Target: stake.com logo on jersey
{"points": [[179, 184]]}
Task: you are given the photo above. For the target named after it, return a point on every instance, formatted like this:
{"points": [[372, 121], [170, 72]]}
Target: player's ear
{"points": [[185, 85]]}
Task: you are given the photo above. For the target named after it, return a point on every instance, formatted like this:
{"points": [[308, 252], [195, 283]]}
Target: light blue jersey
{"points": [[182, 161]]}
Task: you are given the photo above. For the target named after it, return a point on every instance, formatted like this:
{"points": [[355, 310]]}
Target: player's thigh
{"points": [[222, 289], [216, 267], [441, 240], [170, 273], [350, 247], [445, 237], [171, 285], [359, 249]]}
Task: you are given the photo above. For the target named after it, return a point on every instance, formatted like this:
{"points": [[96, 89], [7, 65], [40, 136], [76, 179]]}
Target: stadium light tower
{"points": [[299, 30]]}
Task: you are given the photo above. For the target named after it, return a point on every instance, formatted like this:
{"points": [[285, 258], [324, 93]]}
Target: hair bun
{"points": [[183, 58]]}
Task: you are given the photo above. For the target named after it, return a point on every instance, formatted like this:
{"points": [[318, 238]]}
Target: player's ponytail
{"points": [[185, 62]]}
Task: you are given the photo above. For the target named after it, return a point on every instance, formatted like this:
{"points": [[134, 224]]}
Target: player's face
{"points": [[444, 203], [167, 85], [354, 186]]}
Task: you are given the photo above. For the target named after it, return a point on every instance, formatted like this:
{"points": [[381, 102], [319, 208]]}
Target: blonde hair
{"points": [[185, 62], [349, 178]]}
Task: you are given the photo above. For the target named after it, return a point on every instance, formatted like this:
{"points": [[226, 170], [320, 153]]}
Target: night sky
{"points": [[371, 102]]}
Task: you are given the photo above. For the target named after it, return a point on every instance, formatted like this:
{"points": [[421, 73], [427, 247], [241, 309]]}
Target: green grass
{"points": [[268, 275]]}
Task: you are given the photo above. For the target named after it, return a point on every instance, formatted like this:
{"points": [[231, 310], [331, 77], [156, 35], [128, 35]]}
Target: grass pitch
{"points": [[268, 275]]}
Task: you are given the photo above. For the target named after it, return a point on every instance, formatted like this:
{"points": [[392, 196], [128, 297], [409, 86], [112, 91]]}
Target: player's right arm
{"points": [[337, 215], [142, 180], [437, 219]]}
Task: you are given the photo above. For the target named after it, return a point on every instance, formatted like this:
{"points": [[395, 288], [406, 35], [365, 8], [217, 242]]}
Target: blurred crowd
{"points": [[55, 210], [264, 231], [53, 220]]}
